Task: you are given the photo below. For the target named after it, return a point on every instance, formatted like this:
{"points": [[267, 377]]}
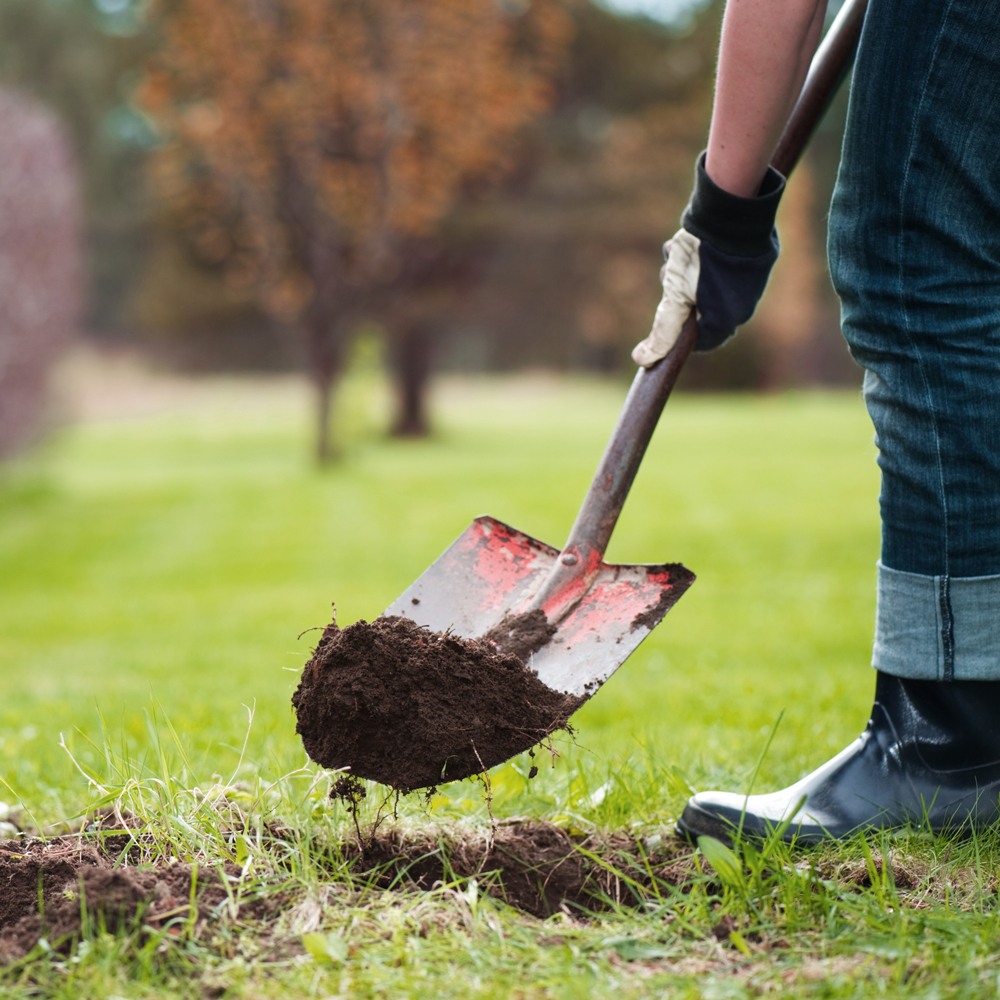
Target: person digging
{"points": [[914, 248]]}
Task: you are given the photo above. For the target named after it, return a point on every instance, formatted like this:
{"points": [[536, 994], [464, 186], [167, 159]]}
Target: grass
{"points": [[157, 569]]}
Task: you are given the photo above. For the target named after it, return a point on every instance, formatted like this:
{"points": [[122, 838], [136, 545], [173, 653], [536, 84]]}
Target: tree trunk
{"points": [[324, 398], [413, 369], [325, 318], [325, 362]]}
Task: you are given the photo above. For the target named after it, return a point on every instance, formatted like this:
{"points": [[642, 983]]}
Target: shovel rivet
{"points": [[569, 559]]}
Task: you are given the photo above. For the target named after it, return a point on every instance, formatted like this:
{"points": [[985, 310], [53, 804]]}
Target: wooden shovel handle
{"points": [[591, 532], [826, 71], [581, 558]]}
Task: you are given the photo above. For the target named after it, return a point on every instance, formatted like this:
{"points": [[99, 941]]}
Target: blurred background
{"points": [[415, 240], [483, 187]]}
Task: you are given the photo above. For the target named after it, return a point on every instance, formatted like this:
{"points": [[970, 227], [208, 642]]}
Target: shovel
{"points": [[602, 610]]}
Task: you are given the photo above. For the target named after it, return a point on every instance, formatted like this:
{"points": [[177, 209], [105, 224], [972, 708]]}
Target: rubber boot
{"points": [[930, 756]]}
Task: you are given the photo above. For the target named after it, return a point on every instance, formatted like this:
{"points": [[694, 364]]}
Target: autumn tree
{"points": [[308, 140]]}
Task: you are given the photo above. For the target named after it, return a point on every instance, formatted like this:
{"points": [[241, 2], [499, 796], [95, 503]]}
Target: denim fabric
{"points": [[937, 627], [915, 256]]}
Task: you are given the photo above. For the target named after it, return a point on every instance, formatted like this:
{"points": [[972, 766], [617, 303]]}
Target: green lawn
{"points": [[174, 559], [159, 568]]}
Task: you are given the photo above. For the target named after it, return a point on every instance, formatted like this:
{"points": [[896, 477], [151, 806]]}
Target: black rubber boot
{"points": [[929, 756]]}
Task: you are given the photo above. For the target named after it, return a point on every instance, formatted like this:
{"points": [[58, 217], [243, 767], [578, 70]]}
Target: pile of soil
{"points": [[411, 708], [77, 882], [533, 865]]}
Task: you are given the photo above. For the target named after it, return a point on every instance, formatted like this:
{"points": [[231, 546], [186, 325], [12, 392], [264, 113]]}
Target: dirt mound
{"points": [[534, 866], [412, 708], [78, 886]]}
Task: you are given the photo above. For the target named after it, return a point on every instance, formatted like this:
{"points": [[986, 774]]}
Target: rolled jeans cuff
{"points": [[937, 628]]}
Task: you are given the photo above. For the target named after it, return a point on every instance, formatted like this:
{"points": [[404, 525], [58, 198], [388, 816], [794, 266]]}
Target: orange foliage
{"points": [[307, 138]]}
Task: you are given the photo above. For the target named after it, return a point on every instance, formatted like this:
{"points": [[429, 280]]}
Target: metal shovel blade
{"points": [[492, 569]]}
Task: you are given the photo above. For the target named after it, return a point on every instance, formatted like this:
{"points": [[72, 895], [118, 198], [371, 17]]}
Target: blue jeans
{"points": [[915, 257]]}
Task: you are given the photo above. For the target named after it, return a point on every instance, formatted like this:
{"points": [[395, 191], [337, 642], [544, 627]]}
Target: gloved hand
{"points": [[719, 262]]}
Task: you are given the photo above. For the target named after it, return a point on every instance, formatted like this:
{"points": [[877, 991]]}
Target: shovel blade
{"points": [[492, 569]]}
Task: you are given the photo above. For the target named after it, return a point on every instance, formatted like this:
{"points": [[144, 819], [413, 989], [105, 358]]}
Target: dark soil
{"points": [[521, 635], [79, 886], [86, 883], [535, 866], [411, 708], [652, 617]]}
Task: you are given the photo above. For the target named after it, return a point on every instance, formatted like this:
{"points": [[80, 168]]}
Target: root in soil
{"points": [[411, 708]]}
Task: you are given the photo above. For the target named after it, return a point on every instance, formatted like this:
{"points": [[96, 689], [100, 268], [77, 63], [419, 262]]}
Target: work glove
{"points": [[719, 262]]}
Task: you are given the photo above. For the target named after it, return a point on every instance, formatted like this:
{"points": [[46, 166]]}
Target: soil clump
{"points": [[410, 708], [521, 635]]}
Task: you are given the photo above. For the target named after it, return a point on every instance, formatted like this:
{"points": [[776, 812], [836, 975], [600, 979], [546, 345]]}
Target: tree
{"points": [[40, 265], [308, 140], [75, 57]]}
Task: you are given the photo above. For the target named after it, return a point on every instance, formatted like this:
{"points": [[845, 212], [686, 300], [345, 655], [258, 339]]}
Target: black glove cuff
{"points": [[738, 226]]}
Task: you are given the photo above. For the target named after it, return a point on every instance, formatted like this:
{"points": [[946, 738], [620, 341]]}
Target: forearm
{"points": [[764, 56]]}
